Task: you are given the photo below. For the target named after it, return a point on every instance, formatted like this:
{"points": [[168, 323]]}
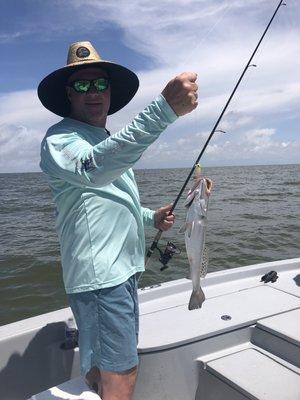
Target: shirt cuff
{"points": [[167, 111], [148, 216]]}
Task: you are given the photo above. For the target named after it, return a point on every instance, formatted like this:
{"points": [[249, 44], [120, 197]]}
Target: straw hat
{"points": [[52, 89]]}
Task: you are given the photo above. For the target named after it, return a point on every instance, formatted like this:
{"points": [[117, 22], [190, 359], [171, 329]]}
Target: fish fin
{"points": [[190, 198], [182, 229], [204, 265], [187, 226], [197, 299]]}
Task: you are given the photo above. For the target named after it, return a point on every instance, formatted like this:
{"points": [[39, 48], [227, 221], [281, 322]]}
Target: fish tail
{"points": [[196, 300]]}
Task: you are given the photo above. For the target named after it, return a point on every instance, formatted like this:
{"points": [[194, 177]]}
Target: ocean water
{"points": [[254, 216]]}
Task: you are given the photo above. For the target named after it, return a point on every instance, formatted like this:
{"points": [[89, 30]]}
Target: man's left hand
{"points": [[162, 220]]}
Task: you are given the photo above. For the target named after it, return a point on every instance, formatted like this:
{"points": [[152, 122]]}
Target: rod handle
{"points": [[153, 246]]}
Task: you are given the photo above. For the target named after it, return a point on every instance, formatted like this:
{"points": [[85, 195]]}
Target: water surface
{"points": [[254, 216]]}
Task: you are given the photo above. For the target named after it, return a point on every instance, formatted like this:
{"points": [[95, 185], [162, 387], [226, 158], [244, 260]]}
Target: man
{"points": [[100, 221]]}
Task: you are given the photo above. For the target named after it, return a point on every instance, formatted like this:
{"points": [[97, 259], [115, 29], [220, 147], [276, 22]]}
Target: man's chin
{"points": [[96, 119], [95, 111]]}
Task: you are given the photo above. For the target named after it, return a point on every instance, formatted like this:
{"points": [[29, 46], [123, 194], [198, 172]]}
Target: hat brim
{"points": [[52, 89]]}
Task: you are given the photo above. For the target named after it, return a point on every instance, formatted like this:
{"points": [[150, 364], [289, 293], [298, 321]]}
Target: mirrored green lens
{"points": [[101, 84], [82, 86]]}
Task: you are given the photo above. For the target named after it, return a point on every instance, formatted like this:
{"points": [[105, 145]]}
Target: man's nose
{"points": [[93, 92], [92, 89]]}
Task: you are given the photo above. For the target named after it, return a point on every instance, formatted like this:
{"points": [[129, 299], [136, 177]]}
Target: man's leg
{"points": [[93, 379], [117, 385], [112, 385], [107, 321]]}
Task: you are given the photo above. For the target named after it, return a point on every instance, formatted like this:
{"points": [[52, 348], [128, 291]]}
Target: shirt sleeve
{"points": [[69, 157], [148, 216]]}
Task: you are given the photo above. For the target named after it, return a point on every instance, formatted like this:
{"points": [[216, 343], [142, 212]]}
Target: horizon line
{"points": [[153, 169]]}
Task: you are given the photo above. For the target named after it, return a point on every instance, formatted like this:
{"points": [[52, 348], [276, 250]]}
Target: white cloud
{"points": [[285, 144], [213, 149], [8, 37], [23, 107], [23, 123], [263, 141], [19, 147], [181, 141], [260, 137]]}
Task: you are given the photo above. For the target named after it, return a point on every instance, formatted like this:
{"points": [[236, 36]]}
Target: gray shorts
{"points": [[108, 324]]}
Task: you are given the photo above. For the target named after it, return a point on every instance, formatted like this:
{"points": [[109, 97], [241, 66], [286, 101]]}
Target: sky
{"points": [[158, 40]]}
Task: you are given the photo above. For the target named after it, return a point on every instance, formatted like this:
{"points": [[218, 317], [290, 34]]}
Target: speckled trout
{"points": [[195, 230]]}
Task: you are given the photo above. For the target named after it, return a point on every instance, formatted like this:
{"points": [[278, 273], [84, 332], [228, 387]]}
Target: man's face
{"points": [[92, 106]]}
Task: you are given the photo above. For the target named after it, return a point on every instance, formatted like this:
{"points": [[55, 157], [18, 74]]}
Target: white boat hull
{"points": [[225, 350]]}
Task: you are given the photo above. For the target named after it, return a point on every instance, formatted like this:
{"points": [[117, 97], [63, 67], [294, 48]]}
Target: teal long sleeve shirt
{"points": [[99, 218]]}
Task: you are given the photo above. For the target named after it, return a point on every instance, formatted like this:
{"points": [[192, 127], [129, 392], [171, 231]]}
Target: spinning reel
{"points": [[167, 254]]}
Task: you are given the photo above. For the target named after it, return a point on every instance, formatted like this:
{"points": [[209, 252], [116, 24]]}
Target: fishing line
{"points": [[209, 31], [159, 232], [207, 34]]}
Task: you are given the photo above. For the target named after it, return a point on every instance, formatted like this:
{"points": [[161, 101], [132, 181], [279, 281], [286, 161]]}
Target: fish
{"points": [[195, 232]]}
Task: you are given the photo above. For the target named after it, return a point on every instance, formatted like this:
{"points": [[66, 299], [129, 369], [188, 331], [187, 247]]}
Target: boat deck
{"points": [[244, 325]]}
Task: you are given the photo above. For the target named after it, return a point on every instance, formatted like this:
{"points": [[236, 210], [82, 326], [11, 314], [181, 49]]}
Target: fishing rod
{"points": [[171, 248]]}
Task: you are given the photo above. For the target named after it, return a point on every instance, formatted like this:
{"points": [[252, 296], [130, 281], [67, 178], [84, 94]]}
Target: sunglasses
{"points": [[83, 85]]}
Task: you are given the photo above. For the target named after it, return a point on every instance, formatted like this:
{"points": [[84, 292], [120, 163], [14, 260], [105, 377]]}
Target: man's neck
{"points": [[97, 123]]}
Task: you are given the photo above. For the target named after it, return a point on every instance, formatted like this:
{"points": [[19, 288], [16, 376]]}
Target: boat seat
{"points": [[256, 376], [74, 389], [285, 326], [280, 335]]}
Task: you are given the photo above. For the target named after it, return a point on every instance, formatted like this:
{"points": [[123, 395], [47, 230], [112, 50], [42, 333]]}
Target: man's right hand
{"points": [[181, 93]]}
